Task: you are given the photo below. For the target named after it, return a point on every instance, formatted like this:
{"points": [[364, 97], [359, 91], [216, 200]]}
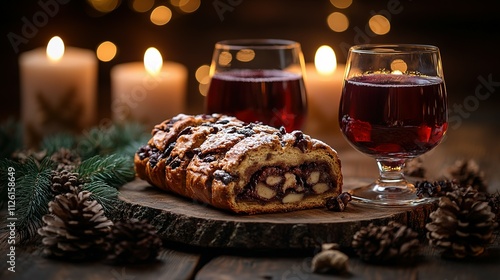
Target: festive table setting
{"points": [[363, 168]]}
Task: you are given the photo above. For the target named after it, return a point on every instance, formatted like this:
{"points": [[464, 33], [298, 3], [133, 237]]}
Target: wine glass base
{"points": [[380, 195]]}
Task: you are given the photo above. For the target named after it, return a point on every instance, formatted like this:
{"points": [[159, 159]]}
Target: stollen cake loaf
{"points": [[241, 167]]}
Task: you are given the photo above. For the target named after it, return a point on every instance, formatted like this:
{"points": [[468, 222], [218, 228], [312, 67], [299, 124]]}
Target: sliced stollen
{"points": [[241, 167]]}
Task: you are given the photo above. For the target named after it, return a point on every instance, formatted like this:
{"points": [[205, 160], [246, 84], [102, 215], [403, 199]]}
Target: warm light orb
{"points": [[379, 24], [189, 6], [337, 22], [55, 48], [225, 58], [153, 61], [106, 51], [161, 15], [325, 60], [142, 6], [341, 4], [202, 74], [104, 6], [245, 55], [398, 66]]}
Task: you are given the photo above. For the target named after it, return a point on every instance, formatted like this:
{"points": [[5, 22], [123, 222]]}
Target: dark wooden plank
{"points": [[430, 266], [30, 264], [181, 220]]}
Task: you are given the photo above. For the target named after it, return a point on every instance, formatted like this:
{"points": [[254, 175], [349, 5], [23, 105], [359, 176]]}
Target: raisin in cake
{"points": [[242, 167]]}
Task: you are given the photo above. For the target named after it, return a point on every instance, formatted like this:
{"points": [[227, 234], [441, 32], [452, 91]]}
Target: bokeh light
{"points": [[341, 4], [245, 55], [338, 22], [161, 15], [104, 6], [106, 51], [202, 74], [398, 66], [189, 6], [379, 24], [225, 58], [142, 6]]}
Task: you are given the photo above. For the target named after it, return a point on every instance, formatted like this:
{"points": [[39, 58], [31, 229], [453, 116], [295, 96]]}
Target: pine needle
{"points": [[115, 170], [54, 143], [103, 193], [33, 194]]}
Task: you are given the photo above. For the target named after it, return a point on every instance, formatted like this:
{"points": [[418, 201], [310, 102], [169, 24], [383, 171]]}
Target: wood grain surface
{"points": [[186, 221]]}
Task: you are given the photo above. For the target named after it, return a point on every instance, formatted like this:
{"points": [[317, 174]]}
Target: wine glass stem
{"points": [[391, 172]]}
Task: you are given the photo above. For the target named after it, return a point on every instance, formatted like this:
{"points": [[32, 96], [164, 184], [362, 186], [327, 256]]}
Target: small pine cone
{"points": [[23, 155], [435, 189], [386, 243], [338, 203], [65, 181], [76, 227], [462, 225], [65, 159], [468, 173], [133, 241]]}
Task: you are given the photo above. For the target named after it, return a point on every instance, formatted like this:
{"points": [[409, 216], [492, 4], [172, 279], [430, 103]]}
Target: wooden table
{"points": [[178, 261]]}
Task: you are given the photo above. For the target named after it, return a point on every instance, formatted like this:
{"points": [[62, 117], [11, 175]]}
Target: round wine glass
{"points": [[258, 80], [393, 108]]}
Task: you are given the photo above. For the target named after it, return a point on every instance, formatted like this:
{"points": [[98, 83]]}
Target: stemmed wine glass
{"points": [[393, 108], [258, 80]]}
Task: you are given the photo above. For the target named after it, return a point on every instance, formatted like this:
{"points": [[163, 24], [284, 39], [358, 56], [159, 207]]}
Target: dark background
{"points": [[467, 32]]}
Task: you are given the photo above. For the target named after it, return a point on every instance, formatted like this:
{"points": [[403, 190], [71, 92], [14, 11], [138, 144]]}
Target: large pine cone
{"points": [[386, 243], [462, 225], [76, 227], [468, 173], [133, 241], [65, 181]]}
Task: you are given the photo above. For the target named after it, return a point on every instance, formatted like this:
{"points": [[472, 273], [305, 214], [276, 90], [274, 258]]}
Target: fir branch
{"points": [[32, 195], [103, 193], [54, 143], [114, 170], [105, 141], [5, 165], [10, 138]]}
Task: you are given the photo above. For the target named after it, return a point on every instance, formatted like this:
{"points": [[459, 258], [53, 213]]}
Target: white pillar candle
{"points": [[148, 92], [323, 81], [58, 90]]}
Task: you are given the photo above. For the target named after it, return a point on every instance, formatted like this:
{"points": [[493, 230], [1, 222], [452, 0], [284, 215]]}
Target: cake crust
{"points": [[242, 167]]}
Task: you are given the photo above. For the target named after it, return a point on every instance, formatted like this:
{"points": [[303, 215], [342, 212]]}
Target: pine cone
{"points": [[494, 203], [76, 227], [65, 181], [462, 225], [467, 173], [65, 159], [435, 189], [386, 243], [133, 241]]}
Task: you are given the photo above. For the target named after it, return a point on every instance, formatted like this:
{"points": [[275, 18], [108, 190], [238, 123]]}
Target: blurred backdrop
{"points": [[185, 31]]}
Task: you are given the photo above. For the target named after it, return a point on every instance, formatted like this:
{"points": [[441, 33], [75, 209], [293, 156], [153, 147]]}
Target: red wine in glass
{"points": [[390, 115], [273, 97]]}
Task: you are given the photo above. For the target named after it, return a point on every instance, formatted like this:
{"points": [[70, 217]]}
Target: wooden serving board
{"points": [[179, 219]]}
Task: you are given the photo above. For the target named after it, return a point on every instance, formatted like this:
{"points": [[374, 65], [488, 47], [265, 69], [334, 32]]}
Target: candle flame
{"points": [[55, 48], [325, 60], [153, 61]]}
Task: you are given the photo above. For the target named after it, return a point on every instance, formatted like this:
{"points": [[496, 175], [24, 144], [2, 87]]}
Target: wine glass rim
{"points": [[394, 48], [237, 44]]}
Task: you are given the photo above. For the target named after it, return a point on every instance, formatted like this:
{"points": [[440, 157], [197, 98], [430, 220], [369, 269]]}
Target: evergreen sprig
{"points": [[115, 170], [54, 143], [32, 195], [103, 193]]}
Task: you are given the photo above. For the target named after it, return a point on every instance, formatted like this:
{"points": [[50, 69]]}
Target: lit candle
{"points": [[148, 92], [323, 81], [58, 90]]}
